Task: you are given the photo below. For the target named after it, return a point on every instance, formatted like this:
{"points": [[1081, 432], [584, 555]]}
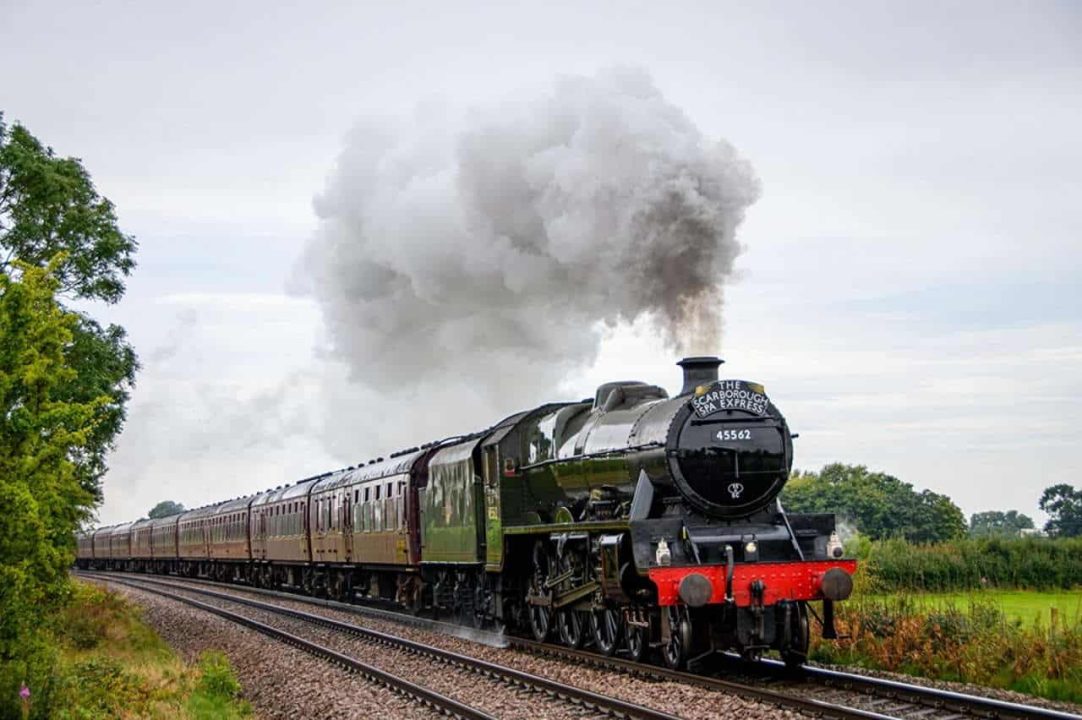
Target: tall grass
{"points": [[971, 563], [978, 645], [108, 664]]}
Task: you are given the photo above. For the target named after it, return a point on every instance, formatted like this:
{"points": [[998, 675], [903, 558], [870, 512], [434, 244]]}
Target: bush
{"points": [[100, 687], [35, 666], [90, 617], [217, 676], [972, 563], [217, 693]]}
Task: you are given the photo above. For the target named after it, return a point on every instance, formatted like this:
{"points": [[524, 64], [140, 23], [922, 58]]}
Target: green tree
{"points": [[50, 212], [105, 366], [48, 208], [42, 502], [879, 505], [996, 523], [164, 509], [1063, 504]]}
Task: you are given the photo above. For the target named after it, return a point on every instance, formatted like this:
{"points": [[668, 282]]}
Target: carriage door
{"points": [[347, 527], [492, 518], [263, 533]]}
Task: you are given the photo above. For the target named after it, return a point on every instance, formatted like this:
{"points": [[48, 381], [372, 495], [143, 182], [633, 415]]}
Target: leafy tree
{"points": [[996, 523], [105, 366], [64, 384], [50, 212], [164, 509], [880, 505], [42, 502], [49, 207], [1063, 504]]}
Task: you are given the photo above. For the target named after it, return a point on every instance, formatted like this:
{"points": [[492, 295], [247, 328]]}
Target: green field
{"points": [[1027, 606]]}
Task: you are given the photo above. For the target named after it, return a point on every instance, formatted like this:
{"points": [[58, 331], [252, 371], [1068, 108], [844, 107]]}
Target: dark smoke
{"points": [[494, 246]]}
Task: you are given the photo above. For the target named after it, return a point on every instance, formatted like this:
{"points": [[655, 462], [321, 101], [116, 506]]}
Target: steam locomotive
{"points": [[631, 521]]}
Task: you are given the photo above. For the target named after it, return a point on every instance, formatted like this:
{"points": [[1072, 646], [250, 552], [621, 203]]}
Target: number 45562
{"points": [[743, 434]]}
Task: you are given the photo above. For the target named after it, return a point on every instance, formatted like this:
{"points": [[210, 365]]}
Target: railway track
{"points": [[815, 691], [413, 691], [585, 702], [869, 696]]}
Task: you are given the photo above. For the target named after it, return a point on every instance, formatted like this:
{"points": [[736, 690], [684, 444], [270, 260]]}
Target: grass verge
{"points": [[967, 640], [110, 664]]}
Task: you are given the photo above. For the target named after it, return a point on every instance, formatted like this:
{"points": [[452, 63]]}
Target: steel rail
{"points": [[437, 701], [578, 696], [962, 702]]}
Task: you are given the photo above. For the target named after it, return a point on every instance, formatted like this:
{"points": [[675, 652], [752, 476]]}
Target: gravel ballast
{"points": [[480, 691], [278, 680], [679, 699]]}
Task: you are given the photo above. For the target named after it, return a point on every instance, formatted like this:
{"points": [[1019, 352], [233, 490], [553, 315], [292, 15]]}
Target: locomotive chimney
{"points": [[701, 370]]}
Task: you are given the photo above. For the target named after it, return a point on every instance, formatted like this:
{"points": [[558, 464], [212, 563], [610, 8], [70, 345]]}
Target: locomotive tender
{"points": [[630, 520]]}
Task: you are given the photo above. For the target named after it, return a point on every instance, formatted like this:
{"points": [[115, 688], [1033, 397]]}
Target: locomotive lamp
{"points": [[834, 546], [751, 551], [663, 556]]}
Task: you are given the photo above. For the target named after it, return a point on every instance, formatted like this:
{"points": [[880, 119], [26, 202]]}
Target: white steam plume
{"points": [[492, 247]]}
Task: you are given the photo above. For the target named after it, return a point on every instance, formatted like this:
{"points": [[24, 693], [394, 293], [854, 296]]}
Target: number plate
{"points": [[733, 435]]}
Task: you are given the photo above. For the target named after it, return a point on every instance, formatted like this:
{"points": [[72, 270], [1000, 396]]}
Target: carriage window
{"points": [[366, 494], [389, 487]]}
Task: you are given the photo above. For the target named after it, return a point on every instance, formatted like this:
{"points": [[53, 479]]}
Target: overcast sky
{"points": [[909, 290]]}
